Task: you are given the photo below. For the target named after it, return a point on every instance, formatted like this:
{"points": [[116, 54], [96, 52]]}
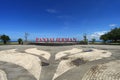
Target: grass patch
{"points": [[9, 43]]}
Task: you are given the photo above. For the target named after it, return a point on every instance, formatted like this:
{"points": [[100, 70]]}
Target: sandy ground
{"points": [[62, 62], [67, 52], [29, 62], [63, 67], [3, 75], [73, 54], [41, 53]]}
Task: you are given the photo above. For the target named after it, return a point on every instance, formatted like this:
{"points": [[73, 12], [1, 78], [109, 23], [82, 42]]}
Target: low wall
{"points": [[54, 43]]}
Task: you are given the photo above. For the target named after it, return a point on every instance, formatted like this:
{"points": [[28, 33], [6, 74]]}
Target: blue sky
{"points": [[58, 18]]}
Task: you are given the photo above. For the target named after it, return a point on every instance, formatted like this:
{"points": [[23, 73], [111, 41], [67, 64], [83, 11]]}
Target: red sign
{"points": [[56, 39]]}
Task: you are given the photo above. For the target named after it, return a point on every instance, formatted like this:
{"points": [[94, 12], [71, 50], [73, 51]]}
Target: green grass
{"points": [[1, 43], [10, 43], [101, 43]]}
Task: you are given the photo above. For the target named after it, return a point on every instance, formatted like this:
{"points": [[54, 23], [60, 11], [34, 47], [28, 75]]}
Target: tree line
{"points": [[112, 36], [5, 38]]}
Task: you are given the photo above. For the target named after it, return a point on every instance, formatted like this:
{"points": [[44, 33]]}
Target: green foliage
{"points": [[5, 38], [113, 35], [93, 40], [20, 41], [85, 40], [104, 37]]}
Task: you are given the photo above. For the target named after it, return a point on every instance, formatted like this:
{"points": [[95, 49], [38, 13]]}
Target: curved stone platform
{"points": [[107, 71], [31, 62]]}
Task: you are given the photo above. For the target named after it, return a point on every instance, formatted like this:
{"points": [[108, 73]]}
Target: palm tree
{"points": [[5, 38], [20, 41], [85, 39]]}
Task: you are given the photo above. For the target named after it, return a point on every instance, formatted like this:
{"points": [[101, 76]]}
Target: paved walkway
{"points": [[71, 66]]}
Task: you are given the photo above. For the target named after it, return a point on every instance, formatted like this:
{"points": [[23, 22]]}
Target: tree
{"points": [[20, 41], [114, 34], [5, 38], [104, 37], [85, 39], [93, 40]]}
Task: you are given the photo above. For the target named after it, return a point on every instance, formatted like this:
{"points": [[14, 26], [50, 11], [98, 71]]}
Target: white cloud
{"points": [[97, 35], [113, 25], [62, 16], [51, 10]]}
